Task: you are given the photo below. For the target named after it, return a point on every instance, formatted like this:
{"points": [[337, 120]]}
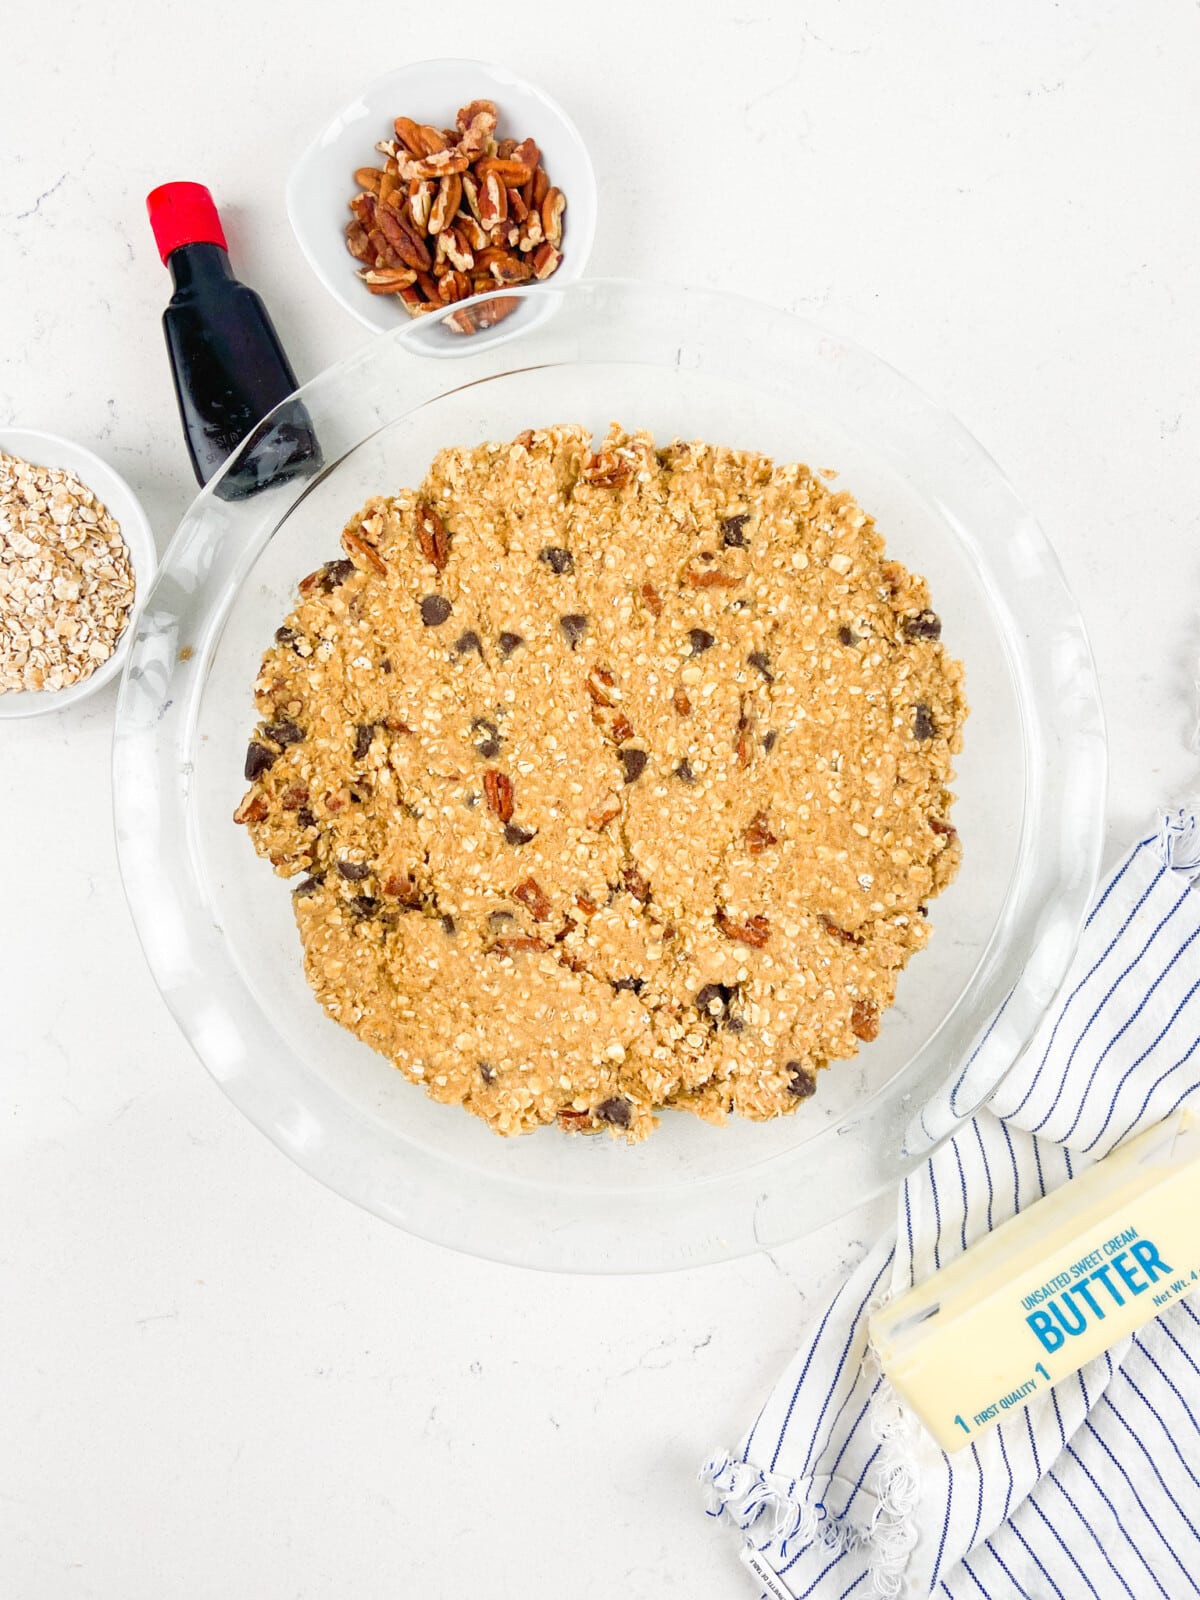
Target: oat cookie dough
{"points": [[614, 780]]}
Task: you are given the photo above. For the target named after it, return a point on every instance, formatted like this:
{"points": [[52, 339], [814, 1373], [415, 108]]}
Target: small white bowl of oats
{"points": [[76, 558]]}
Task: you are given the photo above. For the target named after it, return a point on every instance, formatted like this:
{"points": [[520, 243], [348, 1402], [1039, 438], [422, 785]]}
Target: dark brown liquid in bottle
{"points": [[230, 371]]}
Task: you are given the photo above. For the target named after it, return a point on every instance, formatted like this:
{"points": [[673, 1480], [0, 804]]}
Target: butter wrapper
{"points": [[1058, 1284]]}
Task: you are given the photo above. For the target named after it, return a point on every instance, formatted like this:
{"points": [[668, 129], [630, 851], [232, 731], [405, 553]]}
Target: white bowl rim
{"points": [[127, 510], [584, 206]]}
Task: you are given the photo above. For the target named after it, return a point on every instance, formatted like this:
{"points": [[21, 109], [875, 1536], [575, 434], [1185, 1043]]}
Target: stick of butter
{"points": [[1043, 1294]]}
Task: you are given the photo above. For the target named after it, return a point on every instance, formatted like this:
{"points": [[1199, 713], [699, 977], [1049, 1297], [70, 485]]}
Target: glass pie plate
{"points": [[216, 924]]}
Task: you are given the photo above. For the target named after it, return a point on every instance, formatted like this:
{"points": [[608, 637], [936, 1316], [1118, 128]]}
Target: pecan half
{"points": [[432, 537], [356, 546]]}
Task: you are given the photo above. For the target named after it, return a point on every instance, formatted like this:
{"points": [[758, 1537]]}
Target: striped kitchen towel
{"points": [[1094, 1489]]}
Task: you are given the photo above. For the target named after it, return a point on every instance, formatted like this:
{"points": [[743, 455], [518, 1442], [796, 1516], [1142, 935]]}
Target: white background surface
{"points": [[216, 1378]]}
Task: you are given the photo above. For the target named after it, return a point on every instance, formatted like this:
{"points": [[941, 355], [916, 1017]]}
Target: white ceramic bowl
{"points": [[48, 450], [322, 181]]}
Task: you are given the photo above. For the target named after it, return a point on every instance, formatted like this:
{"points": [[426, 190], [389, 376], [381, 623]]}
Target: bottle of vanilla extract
{"points": [[229, 367]]}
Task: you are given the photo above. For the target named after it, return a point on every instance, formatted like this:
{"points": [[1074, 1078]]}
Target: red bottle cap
{"points": [[183, 213]]}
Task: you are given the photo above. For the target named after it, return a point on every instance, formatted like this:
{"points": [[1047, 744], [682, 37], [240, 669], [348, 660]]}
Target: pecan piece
{"points": [[517, 943], [605, 469], [449, 195], [755, 931], [531, 895], [758, 834], [418, 137], [498, 789], [253, 808], [621, 729], [421, 194], [710, 579], [652, 599], [432, 537], [572, 1121], [404, 239], [552, 210], [635, 884], [368, 178], [358, 243], [832, 927], [598, 684], [368, 556], [546, 260], [491, 202], [681, 702], [511, 173], [387, 280], [864, 1020], [601, 815]]}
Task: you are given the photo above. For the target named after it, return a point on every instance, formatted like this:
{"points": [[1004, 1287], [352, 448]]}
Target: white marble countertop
{"points": [[220, 1379]]}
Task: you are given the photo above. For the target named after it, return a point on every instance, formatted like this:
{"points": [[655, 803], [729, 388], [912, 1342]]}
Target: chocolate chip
{"points": [[487, 1072], [284, 733], [335, 572], [925, 625], [448, 927], [435, 608], [385, 665], [305, 818], [517, 836], [309, 886], [617, 1111], [923, 723], [735, 1025], [470, 799], [499, 919], [760, 660], [802, 1082], [574, 626], [684, 771], [489, 746], [847, 636], [769, 739], [365, 905], [354, 871], [714, 1001], [557, 559], [634, 985], [508, 642], [258, 759], [286, 635], [363, 735], [700, 639], [732, 531], [469, 641], [633, 762]]}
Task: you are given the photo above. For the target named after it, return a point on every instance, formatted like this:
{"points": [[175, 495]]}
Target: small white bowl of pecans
{"points": [[441, 185], [76, 558]]}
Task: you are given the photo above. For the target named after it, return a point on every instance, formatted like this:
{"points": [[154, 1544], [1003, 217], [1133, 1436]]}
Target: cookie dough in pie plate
{"points": [[218, 926]]}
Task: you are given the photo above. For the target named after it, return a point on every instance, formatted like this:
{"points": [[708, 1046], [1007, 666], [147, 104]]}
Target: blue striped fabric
{"points": [[1094, 1490]]}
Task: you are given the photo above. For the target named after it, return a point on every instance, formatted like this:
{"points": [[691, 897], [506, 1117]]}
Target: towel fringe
{"points": [[1178, 842], [764, 1506], [897, 1489]]}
